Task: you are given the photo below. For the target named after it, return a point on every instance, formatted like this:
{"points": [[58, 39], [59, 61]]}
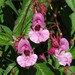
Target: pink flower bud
{"points": [[43, 9], [16, 45], [71, 41], [72, 74], [42, 56], [55, 42], [51, 51]]}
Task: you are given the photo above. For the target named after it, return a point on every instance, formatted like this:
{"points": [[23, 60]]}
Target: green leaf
{"points": [[56, 64], [1, 2], [71, 70], [4, 39], [49, 60], [10, 4], [71, 4], [72, 17], [73, 53], [20, 20], [6, 29], [16, 70], [1, 71], [9, 68], [43, 69]]}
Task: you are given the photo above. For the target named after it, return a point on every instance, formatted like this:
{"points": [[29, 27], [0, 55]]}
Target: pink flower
{"points": [[42, 56], [64, 44], [58, 51], [64, 58], [27, 57], [24, 45], [38, 33]]}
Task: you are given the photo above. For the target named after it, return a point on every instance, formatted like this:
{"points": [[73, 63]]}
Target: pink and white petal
{"points": [[38, 22], [39, 36], [33, 37], [62, 61], [64, 44], [21, 61], [31, 60], [27, 61], [23, 44], [21, 50], [69, 58], [65, 59], [44, 34], [38, 16]]}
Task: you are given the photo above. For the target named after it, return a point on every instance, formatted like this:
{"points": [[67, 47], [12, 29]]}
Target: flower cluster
{"points": [[39, 33], [58, 51]]}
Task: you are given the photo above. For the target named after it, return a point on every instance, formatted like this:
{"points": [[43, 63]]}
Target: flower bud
{"points": [[72, 74], [16, 45], [55, 42], [42, 56], [51, 51]]}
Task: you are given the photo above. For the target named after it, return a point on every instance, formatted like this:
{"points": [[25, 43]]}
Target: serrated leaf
{"points": [[9, 68], [19, 22], [10, 4], [6, 29], [43, 69], [4, 39], [71, 4]]}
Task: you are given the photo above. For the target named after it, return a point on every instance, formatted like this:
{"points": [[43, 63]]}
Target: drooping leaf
{"points": [[43, 69]]}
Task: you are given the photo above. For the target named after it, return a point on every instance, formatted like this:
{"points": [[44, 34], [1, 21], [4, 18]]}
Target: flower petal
{"points": [[23, 45], [39, 36], [65, 58], [38, 16], [64, 45], [27, 61]]}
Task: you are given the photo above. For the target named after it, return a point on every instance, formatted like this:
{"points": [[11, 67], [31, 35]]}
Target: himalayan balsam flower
{"points": [[64, 58], [27, 57], [63, 45], [38, 33]]}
